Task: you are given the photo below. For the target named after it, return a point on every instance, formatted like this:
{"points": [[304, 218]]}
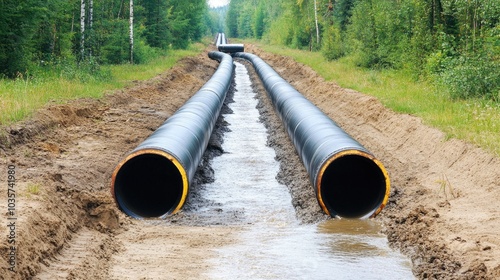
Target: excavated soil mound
{"points": [[442, 212]]}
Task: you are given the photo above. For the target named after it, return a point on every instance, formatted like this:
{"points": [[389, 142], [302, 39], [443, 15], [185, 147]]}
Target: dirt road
{"points": [[443, 211]]}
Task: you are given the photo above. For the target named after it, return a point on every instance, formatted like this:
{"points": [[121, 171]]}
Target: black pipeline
{"points": [[349, 181], [223, 46], [231, 48], [220, 39], [153, 180]]}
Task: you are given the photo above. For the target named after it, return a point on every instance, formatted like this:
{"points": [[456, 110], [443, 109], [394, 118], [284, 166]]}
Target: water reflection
{"points": [[346, 226], [272, 244]]}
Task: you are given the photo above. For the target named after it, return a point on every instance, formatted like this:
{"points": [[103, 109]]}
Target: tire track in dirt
{"points": [[166, 251], [84, 250]]}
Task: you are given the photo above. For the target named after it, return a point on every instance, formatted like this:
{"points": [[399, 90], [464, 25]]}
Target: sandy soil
{"points": [[442, 213]]}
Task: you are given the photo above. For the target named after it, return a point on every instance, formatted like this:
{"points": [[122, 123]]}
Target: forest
{"points": [[61, 34], [453, 43]]}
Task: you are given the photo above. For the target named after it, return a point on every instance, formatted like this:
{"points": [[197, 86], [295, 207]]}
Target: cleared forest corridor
{"points": [[263, 224]]}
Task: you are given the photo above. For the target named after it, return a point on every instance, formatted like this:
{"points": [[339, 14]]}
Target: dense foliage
{"points": [[49, 33], [217, 19], [456, 43]]}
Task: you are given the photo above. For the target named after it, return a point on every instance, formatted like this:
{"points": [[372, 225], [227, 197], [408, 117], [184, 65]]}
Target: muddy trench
{"points": [[68, 227]]}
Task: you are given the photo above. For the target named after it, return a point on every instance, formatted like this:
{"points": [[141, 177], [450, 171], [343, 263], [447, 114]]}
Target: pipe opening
{"points": [[353, 186], [148, 185]]}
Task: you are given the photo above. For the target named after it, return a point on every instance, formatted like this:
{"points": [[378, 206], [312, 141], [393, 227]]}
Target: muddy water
{"points": [[272, 243]]}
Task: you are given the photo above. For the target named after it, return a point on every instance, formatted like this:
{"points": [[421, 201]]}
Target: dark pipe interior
{"points": [[147, 186], [352, 186]]}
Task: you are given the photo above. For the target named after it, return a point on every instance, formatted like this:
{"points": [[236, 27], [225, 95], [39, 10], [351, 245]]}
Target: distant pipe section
{"points": [[154, 179], [220, 39], [231, 48], [216, 42], [223, 46], [348, 180]]}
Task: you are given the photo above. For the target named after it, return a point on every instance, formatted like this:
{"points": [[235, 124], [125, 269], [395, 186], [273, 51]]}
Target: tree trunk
{"points": [[91, 21], [120, 10], [82, 29], [474, 25], [316, 20], [91, 13], [131, 20], [53, 43]]}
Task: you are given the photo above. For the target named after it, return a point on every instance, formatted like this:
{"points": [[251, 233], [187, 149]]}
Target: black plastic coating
{"points": [[231, 48], [153, 180], [349, 181]]}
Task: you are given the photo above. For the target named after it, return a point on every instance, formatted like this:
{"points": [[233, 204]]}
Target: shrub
{"points": [[332, 44], [143, 53], [472, 77]]}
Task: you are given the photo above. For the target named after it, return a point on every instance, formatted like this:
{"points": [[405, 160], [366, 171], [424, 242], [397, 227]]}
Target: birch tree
{"points": [[131, 21], [82, 29], [316, 21], [91, 13], [91, 21]]}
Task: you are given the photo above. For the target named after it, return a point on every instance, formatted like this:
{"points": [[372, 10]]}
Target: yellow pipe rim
{"points": [[180, 168], [359, 153]]}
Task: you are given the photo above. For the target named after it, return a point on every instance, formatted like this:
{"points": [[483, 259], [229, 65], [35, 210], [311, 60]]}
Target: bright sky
{"points": [[217, 3]]}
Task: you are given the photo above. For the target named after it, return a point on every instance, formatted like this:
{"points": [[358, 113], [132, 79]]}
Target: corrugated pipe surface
{"points": [[349, 181], [153, 180]]}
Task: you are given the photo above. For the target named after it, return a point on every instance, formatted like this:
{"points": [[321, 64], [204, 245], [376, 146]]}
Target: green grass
{"points": [[33, 189], [19, 98], [474, 120], [128, 72]]}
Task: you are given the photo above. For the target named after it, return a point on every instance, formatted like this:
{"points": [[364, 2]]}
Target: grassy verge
{"points": [[474, 120], [19, 98]]}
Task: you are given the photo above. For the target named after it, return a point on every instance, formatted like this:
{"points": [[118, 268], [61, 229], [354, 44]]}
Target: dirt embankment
{"points": [[442, 212]]}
